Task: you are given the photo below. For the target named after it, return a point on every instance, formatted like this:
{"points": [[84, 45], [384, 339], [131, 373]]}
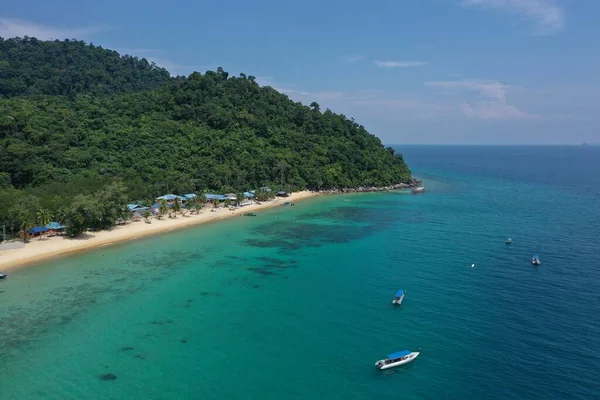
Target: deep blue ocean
{"points": [[296, 303]]}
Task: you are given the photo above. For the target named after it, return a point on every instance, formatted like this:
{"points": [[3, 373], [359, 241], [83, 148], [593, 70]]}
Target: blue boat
{"points": [[399, 297], [535, 260]]}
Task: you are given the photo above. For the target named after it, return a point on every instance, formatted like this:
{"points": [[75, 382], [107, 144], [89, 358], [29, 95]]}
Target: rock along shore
{"points": [[412, 183]]}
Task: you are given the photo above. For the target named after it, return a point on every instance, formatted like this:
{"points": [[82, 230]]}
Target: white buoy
{"points": [[472, 265]]}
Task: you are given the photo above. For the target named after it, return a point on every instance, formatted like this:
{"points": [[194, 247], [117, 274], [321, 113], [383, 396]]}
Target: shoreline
{"points": [[48, 248]]}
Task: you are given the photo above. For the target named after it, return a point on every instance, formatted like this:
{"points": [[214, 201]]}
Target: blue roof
{"points": [[157, 206], [38, 229], [400, 293], [190, 195], [55, 226], [167, 197], [211, 196], [132, 207], [399, 354], [249, 194]]}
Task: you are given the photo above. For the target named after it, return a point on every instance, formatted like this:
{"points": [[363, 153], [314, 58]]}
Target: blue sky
{"points": [[411, 71]]}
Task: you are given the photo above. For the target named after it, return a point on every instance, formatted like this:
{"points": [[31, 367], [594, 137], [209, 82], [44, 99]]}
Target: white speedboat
{"points": [[397, 359], [399, 297], [3, 276], [535, 260]]}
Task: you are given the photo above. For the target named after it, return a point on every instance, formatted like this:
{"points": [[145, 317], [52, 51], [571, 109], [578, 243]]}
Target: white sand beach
{"points": [[49, 247]]}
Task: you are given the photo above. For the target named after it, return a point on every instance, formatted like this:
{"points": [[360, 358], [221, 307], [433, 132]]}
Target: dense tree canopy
{"points": [[156, 134], [29, 66]]}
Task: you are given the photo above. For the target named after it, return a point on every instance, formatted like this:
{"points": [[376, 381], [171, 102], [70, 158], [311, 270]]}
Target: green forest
{"points": [[79, 123]]}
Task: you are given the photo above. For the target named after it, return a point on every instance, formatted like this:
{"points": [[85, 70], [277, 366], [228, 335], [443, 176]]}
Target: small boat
{"points": [[288, 203], [418, 190], [399, 297], [250, 214], [508, 241], [3, 276], [397, 359], [535, 260]]}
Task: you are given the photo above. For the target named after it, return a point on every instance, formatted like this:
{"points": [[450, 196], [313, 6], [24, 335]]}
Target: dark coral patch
{"points": [[108, 377]]}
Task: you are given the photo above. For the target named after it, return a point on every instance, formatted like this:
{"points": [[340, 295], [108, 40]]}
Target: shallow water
{"points": [[296, 303]]}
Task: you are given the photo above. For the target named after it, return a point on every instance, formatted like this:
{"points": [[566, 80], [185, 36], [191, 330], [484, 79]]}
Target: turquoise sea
{"points": [[296, 303]]}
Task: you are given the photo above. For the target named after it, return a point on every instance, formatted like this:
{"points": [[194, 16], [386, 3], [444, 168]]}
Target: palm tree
{"points": [[227, 203], [190, 205], [198, 205], [176, 206], [201, 201], [25, 225], [163, 208], [43, 218], [240, 198], [215, 203], [146, 215]]}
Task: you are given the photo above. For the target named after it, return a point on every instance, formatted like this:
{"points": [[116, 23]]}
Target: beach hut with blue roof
{"points": [[37, 230], [136, 208], [55, 226], [212, 196]]}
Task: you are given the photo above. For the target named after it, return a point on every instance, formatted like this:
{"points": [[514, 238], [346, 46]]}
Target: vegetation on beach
{"points": [[83, 130]]}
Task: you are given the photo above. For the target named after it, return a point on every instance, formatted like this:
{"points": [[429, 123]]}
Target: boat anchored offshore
{"points": [[508, 241], [535, 260], [399, 297], [397, 359], [3, 276]]}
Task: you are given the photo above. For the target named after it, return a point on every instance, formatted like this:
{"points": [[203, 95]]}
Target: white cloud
{"points": [[399, 64], [485, 88], [494, 110], [352, 58], [20, 28], [495, 105], [405, 109], [545, 14]]}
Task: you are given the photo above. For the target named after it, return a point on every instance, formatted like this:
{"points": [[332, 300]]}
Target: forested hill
{"points": [[207, 131], [29, 66]]}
